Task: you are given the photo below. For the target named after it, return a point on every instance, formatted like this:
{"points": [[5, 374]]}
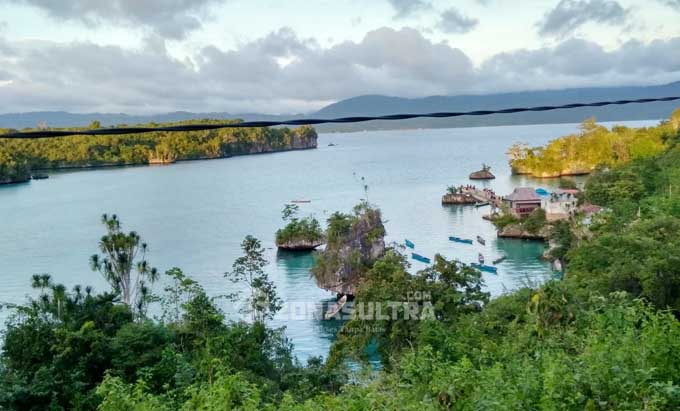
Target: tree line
{"points": [[18, 157]]}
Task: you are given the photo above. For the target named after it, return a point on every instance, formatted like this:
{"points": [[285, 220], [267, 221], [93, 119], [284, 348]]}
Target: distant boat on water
{"points": [[300, 201], [480, 240], [487, 268], [332, 144], [409, 243], [460, 240], [40, 176], [480, 258], [482, 204], [499, 260], [420, 258]]}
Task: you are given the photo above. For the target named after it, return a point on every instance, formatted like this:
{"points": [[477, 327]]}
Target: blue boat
{"points": [[420, 258], [487, 268], [409, 243], [460, 240], [542, 192]]}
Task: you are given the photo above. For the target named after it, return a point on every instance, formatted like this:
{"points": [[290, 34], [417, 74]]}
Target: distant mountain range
{"points": [[371, 105]]}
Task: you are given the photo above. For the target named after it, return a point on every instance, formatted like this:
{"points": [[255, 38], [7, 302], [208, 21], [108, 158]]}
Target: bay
{"points": [[194, 214]]}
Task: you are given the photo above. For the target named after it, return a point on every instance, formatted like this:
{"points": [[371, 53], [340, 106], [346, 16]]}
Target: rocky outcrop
{"points": [[483, 174], [517, 231], [355, 242], [458, 198], [570, 170], [8, 180], [299, 244]]}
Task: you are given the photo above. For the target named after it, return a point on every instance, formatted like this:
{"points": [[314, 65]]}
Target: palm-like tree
{"points": [[123, 264]]}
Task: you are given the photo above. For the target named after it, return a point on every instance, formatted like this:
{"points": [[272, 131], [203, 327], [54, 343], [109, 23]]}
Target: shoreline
{"points": [[111, 165], [607, 123]]}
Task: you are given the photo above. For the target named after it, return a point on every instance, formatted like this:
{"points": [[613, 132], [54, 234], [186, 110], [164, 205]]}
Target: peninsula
{"points": [[19, 157], [594, 146]]}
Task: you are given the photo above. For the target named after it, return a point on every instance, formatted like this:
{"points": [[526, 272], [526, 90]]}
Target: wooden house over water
{"points": [[522, 201]]}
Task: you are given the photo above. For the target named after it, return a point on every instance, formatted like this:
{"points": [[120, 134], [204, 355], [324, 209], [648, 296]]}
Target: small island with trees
{"points": [[300, 234]]}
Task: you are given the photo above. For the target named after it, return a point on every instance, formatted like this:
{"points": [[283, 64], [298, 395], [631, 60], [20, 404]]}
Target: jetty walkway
{"points": [[484, 195], [471, 194]]}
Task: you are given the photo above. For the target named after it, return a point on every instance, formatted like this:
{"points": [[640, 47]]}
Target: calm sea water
{"points": [[195, 214]]}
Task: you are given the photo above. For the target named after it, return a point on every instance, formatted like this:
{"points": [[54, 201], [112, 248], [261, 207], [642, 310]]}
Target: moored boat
{"points": [[335, 308], [409, 243], [480, 258], [460, 240], [499, 260], [420, 258], [487, 268], [480, 240]]}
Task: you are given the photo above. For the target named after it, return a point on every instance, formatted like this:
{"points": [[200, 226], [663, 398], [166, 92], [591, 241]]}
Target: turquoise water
{"points": [[194, 214]]}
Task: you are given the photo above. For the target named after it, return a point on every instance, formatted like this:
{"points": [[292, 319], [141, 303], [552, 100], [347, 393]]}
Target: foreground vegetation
{"points": [[17, 157], [594, 146], [607, 337]]}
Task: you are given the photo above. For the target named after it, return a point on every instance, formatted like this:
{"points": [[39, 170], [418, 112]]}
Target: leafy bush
{"points": [[307, 229]]}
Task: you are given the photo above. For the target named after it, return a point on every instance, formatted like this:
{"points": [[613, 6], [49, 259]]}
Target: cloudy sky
{"points": [[296, 56]]}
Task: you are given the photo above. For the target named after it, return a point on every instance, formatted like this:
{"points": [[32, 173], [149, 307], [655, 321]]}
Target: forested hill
{"points": [[19, 157], [381, 105]]}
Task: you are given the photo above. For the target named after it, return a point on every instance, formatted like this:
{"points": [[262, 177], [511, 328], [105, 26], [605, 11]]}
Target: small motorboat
{"points": [[480, 258], [301, 201], [332, 144], [542, 192], [40, 176], [420, 258], [409, 243], [487, 268], [335, 308], [460, 240], [499, 260], [482, 204], [480, 240]]}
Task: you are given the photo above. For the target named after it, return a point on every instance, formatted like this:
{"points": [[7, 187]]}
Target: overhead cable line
{"points": [[313, 121]]}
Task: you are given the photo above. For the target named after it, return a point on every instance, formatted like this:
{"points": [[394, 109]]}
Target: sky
{"points": [[294, 56]]}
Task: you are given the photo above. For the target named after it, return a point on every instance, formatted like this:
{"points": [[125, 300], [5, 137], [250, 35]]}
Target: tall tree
{"points": [[123, 265], [262, 302]]}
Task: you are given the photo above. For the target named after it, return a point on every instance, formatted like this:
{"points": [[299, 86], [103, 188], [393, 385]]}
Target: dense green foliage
{"points": [[86, 151], [13, 168], [594, 146], [635, 242], [80, 350], [306, 230], [532, 223]]}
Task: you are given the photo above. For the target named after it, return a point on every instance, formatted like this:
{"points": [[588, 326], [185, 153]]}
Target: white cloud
{"points": [[284, 73]]}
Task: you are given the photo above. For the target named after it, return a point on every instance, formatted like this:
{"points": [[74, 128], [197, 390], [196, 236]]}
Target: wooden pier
{"points": [[472, 195]]}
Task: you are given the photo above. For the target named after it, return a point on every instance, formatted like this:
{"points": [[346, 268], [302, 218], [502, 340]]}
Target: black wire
{"points": [[312, 121]]}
